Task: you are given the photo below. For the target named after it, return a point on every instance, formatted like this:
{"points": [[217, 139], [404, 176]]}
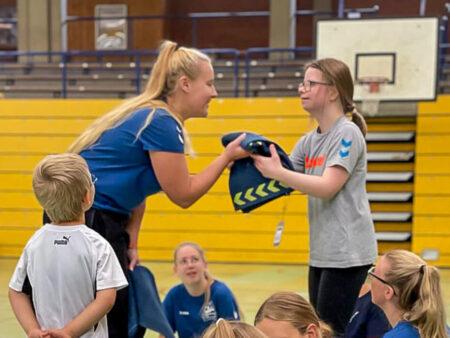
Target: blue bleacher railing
{"points": [[288, 54], [28, 59], [135, 57], [249, 56], [234, 54]]}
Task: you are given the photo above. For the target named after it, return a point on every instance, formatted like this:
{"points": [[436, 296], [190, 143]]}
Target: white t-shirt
{"points": [[66, 265]]}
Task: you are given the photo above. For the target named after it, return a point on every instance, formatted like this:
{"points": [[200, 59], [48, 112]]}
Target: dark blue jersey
{"points": [[403, 330], [187, 315], [367, 320]]}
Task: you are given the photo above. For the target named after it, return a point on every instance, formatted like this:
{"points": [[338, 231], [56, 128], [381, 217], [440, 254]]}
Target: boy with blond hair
{"points": [[72, 270]]}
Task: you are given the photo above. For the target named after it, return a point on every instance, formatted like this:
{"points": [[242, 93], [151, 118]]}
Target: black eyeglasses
{"points": [[306, 85], [371, 273]]}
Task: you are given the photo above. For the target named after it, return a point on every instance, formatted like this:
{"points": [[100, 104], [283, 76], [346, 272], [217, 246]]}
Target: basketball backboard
{"points": [[404, 51]]}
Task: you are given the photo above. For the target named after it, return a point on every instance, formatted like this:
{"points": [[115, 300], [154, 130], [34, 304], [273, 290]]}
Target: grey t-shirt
{"points": [[342, 233]]}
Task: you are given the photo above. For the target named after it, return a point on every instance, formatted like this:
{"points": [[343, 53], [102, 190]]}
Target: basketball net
{"points": [[369, 103]]}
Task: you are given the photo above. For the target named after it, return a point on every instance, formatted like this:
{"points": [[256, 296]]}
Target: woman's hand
{"points": [[269, 167], [133, 228], [233, 151], [133, 257]]}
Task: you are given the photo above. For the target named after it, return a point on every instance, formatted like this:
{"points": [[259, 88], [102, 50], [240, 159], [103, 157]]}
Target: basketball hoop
{"points": [[372, 86]]}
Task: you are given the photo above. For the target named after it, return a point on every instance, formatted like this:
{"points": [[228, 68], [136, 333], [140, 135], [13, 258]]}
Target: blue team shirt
{"points": [[403, 330], [121, 163], [185, 314], [367, 320]]}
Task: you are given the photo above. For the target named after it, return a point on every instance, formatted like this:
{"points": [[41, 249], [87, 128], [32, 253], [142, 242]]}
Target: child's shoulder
{"points": [[349, 127], [93, 237], [347, 124], [34, 239]]}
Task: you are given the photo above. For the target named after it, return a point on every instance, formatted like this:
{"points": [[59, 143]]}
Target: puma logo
{"points": [[63, 241]]}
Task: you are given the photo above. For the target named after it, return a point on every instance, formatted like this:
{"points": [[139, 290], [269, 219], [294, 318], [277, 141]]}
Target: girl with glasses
{"points": [[200, 300], [409, 292], [330, 166]]}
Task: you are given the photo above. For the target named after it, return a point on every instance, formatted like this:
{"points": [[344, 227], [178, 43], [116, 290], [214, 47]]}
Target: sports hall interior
{"points": [[55, 79]]}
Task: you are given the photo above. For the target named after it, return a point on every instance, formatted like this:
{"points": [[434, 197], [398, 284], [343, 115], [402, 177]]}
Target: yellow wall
{"points": [[34, 128], [431, 225]]}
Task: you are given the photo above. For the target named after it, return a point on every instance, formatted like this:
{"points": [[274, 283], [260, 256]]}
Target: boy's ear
{"points": [[88, 199]]}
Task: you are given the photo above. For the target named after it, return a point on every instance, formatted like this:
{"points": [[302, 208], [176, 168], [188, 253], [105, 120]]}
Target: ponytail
{"points": [[209, 281], [419, 292], [172, 62], [325, 330], [156, 87], [428, 312], [359, 120]]}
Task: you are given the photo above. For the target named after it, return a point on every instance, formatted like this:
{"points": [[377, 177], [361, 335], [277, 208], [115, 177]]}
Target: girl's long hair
{"points": [[419, 292]]}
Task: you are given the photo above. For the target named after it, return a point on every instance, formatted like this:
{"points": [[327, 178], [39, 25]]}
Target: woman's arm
{"points": [[325, 186], [133, 227], [184, 189]]}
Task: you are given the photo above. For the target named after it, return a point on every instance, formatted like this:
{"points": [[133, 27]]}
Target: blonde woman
{"points": [[200, 300], [408, 290], [138, 149], [232, 329], [289, 315]]}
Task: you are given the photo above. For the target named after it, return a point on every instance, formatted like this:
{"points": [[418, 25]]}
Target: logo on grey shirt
{"points": [[345, 148]]}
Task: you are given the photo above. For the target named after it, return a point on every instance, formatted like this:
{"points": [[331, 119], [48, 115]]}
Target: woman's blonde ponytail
{"points": [[172, 62]]}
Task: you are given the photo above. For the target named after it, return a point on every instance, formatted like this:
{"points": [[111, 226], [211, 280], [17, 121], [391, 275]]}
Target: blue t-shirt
{"points": [[367, 320], [185, 313], [403, 330], [121, 162]]}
